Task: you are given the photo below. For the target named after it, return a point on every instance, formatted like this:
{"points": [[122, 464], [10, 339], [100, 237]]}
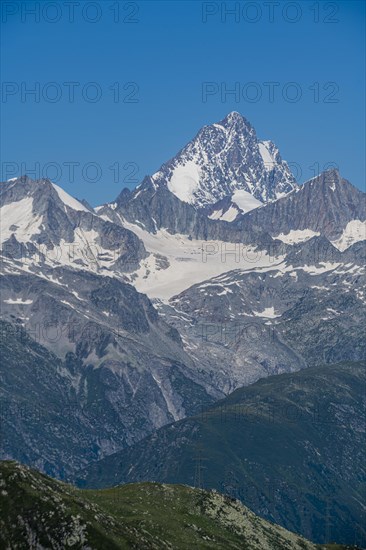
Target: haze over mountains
{"points": [[215, 272]]}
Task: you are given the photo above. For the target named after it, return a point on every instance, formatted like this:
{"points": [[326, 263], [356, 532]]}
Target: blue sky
{"points": [[140, 85]]}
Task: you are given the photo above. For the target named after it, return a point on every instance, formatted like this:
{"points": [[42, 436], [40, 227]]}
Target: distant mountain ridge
{"points": [[327, 205], [41, 223]]}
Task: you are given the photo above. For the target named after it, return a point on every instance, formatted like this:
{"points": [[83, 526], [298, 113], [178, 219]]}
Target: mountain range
{"points": [[217, 271]]}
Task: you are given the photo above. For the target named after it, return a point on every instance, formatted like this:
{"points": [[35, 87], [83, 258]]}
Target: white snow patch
{"points": [[19, 214], [67, 303], [68, 200], [241, 201], [224, 292], [280, 195], [323, 268], [220, 127], [334, 311], [354, 231], [268, 312], [297, 236], [245, 201], [77, 296], [230, 215], [184, 181], [18, 301], [216, 215], [267, 158]]}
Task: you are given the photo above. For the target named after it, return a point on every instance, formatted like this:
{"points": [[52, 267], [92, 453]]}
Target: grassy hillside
{"points": [[39, 512]]}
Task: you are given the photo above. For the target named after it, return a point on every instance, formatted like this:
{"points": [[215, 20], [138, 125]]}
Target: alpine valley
{"points": [[205, 328]]}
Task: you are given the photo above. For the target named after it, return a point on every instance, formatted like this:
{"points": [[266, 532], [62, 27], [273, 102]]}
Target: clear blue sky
{"points": [[169, 50]]}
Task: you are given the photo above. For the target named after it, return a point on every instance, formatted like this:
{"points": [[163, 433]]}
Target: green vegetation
{"points": [[39, 512]]}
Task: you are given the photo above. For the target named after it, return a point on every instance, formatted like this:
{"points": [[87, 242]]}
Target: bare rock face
{"points": [[88, 367]]}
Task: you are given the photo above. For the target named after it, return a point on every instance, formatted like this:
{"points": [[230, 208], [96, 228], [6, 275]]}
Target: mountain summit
{"points": [[224, 158], [223, 172]]}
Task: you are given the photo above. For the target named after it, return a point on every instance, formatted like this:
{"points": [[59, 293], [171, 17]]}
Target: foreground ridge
{"points": [[38, 511]]}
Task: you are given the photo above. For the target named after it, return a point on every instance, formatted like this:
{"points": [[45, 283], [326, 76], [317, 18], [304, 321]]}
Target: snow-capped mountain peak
{"points": [[235, 119], [223, 158]]}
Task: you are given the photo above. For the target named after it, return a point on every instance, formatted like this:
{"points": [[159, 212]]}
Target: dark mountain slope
{"points": [[291, 447]]}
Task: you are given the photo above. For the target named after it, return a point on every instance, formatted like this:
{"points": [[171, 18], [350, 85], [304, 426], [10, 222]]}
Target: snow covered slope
{"points": [[354, 232], [68, 200], [229, 208], [177, 262]]}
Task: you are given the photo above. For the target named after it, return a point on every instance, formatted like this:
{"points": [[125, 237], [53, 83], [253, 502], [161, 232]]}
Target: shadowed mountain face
{"points": [[290, 447], [158, 208], [85, 372], [37, 511]]}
